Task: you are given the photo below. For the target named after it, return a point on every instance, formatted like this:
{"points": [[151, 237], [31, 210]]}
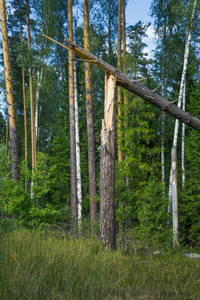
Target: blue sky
{"points": [[138, 10]]}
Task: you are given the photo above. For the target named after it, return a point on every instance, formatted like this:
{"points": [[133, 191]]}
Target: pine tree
{"points": [[90, 123], [9, 93]]}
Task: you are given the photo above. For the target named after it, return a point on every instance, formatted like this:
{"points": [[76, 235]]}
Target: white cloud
{"points": [[150, 41]]}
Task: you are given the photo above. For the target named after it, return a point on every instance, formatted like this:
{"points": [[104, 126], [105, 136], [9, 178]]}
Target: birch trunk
{"points": [[9, 92], [183, 141], [39, 79], [119, 93], [78, 160], [90, 123], [107, 171], [174, 197], [74, 208], [183, 77]]}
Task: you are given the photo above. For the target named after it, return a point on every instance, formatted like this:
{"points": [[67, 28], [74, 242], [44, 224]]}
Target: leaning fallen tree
{"points": [[133, 86], [107, 185]]}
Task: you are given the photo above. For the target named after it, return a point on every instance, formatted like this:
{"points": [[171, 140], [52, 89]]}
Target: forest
{"points": [[99, 151], [51, 126]]}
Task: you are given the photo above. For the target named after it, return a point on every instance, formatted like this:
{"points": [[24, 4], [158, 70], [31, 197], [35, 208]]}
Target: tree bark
{"points": [[183, 78], [74, 208], [39, 79], [78, 159], [135, 87], [9, 93], [125, 71], [25, 117], [174, 197], [90, 124], [183, 142], [119, 93], [107, 171], [33, 136], [163, 94]]}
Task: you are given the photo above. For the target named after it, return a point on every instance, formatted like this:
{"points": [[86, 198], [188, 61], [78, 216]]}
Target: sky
{"points": [[139, 10]]}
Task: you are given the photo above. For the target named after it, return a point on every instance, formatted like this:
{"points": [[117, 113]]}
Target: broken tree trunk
{"points": [[107, 175], [134, 86]]}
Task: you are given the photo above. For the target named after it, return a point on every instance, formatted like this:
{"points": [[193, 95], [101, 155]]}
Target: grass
{"points": [[36, 266]]}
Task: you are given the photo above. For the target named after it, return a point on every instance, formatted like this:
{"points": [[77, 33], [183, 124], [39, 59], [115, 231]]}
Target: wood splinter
{"points": [[107, 176]]}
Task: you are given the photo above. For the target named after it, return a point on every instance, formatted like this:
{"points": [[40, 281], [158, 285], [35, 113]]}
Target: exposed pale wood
{"points": [[107, 170]]}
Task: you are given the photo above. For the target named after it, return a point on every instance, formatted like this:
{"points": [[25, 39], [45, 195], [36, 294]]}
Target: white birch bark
{"points": [[172, 194], [183, 141], [174, 197], [39, 79], [78, 160]]}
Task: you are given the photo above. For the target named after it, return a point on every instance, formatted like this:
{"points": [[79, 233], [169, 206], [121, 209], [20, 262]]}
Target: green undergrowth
{"points": [[44, 266]]}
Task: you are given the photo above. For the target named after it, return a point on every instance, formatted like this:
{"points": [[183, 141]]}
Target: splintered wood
{"points": [[107, 176], [110, 84]]}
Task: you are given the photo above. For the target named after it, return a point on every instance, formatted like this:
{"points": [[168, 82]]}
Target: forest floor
{"points": [[45, 266]]}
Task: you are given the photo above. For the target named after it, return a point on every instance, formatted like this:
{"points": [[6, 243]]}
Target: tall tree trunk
{"points": [[119, 94], [74, 208], [163, 94], [175, 140], [125, 71], [78, 159], [9, 92], [107, 171], [7, 137], [33, 136], [174, 197], [109, 32], [183, 141], [90, 124], [39, 79], [25, 117]]}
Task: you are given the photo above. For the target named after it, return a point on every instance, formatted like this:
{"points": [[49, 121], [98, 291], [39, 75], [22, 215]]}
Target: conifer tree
{"points": [[119, 94], [32, 106], [90, 123], [9, 93]]}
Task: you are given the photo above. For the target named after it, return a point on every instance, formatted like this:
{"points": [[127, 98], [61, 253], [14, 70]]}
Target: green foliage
{"points": [[46, 267], [30, 207]]}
